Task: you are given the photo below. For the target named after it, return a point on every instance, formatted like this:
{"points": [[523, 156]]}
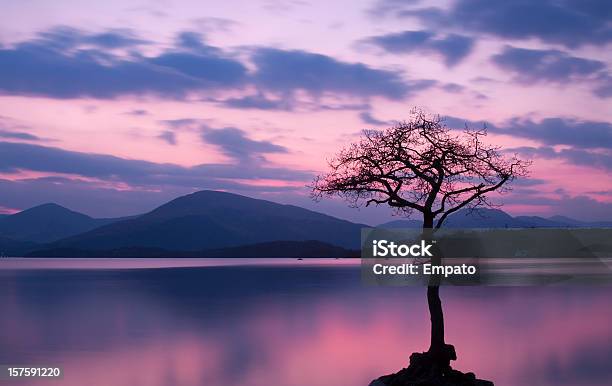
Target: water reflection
{"points": [[290, 326]]}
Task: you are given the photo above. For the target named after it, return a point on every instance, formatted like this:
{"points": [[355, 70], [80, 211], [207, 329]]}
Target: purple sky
{"points": [[111, 108]]}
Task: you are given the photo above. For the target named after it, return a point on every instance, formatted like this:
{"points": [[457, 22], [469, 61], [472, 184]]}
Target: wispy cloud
{"points": [[17, 157], [368, 118], [137, 112], [292, 70], [581, 157], [585, 134], [8, 134], [236, 144], [168, 136], [532, 66], [260, 102], [10, 129], [452, 47], [566, 22], [56, 67], [576, 142], [58, 64]]}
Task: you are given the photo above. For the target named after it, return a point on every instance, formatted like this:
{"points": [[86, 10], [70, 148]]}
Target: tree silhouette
{"points": [[421, 166]]}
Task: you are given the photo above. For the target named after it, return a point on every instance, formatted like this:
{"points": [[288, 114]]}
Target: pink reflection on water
{"points": [[343, 337]]}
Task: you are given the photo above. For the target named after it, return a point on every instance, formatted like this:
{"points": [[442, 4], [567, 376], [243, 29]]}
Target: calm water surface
{"points": [[283, 323]]}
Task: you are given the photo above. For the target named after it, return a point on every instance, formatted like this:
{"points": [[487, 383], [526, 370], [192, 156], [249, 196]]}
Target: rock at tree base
{"points": [[423, 371]]}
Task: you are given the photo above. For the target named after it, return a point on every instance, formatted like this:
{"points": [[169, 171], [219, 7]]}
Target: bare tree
{"points": [[421, 166]]}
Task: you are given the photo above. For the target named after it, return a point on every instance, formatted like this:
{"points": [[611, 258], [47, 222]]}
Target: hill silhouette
{"points": [[47, 223], [211, 219], [217, 224], [495, 218]]}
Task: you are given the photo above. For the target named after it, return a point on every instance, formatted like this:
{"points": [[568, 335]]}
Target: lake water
{"points": [[283, 323]]}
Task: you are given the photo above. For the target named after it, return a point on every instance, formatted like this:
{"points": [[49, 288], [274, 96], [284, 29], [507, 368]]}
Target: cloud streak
{"points": [[258, 101], [576, 142], [368, 118], [16, 157], [50, 66], [581, 134], [290, 71], [572, 23], [69, 63], [530, 66], [9, 134], [234, 143], [597, 159], [168, 136], [453, 48]]}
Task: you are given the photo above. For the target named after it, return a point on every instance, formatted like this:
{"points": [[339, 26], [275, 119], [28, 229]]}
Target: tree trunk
{"points": [[437, 320], [437, 345]]}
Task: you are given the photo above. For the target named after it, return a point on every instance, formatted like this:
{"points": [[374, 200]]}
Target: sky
{"points": [[113, 108]]}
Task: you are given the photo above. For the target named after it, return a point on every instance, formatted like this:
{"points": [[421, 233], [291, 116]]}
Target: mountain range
{"points": [[201, 223], [216, 224], [495, 218]]}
